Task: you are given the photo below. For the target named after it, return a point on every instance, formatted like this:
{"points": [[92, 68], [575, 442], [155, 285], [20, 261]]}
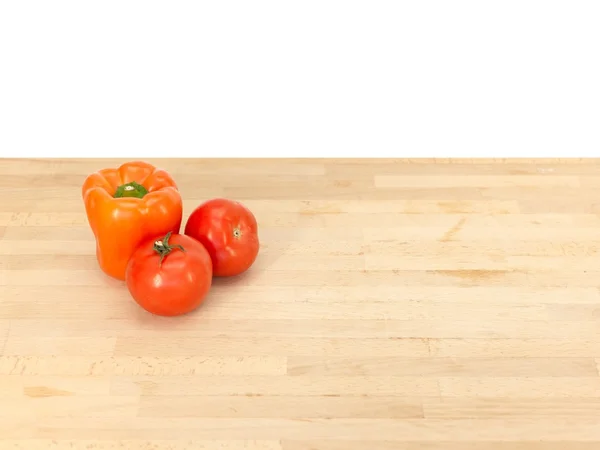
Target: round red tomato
{"points": [[169, 276], [229, 232]]}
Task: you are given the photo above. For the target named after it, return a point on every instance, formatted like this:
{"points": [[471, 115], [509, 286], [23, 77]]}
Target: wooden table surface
{"points": [[394, 305]]}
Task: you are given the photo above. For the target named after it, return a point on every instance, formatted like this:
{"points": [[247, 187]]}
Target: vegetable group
{"points": [[229, 232], [135, 212]]}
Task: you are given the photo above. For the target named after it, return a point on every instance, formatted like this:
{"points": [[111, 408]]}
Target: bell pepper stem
{"points": [[163, 248], [132, 189]]}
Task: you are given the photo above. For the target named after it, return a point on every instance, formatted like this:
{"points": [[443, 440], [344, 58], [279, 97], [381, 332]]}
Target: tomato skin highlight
{"points": [[177, 285], [229, 232]]}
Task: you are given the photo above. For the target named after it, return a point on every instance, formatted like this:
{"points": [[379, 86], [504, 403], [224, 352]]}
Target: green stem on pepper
{"points": [[132, 189]]}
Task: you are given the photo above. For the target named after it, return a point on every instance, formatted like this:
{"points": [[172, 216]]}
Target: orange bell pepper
{"points": [[127, 205]]}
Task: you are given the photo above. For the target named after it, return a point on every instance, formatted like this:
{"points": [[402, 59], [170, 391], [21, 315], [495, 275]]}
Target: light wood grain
{"points": [[395, 304]]}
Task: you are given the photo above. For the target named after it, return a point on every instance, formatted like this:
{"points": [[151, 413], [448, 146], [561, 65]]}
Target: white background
{"points": [[299, 78]]}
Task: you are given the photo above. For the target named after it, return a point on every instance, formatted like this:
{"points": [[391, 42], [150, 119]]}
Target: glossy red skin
{"points": [[179, 286], [213, 223]]}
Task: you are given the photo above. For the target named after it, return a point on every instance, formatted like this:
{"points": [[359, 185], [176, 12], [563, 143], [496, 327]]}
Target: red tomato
{"points": [[229, 232], [169, 276]]}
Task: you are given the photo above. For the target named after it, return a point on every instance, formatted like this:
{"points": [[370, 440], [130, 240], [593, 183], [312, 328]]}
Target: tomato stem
{"points": [[163, 248], [132, 189]]}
